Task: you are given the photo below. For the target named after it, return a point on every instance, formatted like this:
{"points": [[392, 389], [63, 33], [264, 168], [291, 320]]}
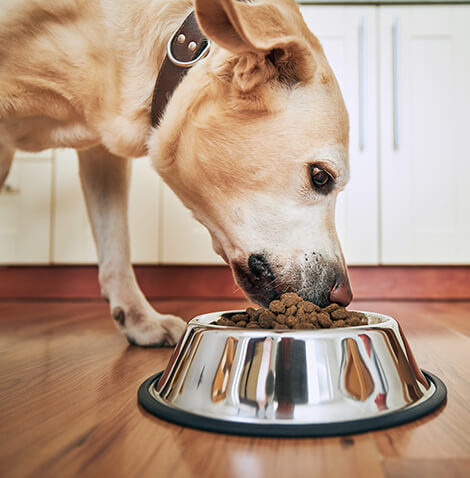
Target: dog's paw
{"points": [[149, 329]]}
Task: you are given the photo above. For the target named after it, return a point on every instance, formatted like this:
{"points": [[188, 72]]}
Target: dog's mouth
{"points": [[319, 283], [257, 279]]}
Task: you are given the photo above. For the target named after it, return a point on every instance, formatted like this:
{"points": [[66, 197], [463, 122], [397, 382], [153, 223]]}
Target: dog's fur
{"points": [[236, 143]]}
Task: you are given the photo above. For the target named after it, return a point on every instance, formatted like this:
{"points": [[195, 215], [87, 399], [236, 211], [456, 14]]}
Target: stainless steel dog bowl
{"points": [[292, 382]]}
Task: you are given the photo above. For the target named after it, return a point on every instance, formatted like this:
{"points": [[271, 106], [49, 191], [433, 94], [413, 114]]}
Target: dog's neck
{"points": [[140, 49]]}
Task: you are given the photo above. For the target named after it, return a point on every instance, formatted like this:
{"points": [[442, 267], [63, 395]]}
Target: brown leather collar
{"points": [[185, 48]]}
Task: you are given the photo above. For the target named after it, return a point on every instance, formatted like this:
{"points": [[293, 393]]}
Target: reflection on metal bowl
{"points": [[292, 382]]}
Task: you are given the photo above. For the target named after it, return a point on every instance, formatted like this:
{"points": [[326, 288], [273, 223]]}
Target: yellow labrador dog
{"points": [[254, 139]]}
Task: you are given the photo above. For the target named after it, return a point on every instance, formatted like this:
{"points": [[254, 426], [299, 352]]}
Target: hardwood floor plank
{"points": [[429, 468], [192, 453]]}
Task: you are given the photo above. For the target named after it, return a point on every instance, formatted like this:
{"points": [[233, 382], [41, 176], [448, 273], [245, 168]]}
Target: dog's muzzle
{"points": [[323, 283]]}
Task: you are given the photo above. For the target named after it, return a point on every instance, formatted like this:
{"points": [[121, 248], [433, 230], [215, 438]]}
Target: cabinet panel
{"points": [[73, 240], [183, 239], [348, 36], [25, 211], [144, 212], [425, 167]]}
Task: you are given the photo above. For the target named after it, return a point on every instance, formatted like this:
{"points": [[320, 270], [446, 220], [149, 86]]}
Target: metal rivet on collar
{"points": [[181, 38], [203, 43]]}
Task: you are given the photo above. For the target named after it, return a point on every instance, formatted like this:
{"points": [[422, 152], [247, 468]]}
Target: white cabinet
{"points": [[425, 150], [25, 211], [183, 239], [73, 240], [408, 201], [348, 36], [144, 212]]}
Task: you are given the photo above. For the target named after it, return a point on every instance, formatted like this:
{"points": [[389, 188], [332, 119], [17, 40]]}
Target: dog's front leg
{"points": [[105, 183]]}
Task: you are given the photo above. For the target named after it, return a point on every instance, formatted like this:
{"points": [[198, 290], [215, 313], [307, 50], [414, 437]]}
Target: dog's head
{"points": [[255, 142]]}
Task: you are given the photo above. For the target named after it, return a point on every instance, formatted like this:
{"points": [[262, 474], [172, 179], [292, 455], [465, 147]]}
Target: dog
{"points": [[253, 140]]}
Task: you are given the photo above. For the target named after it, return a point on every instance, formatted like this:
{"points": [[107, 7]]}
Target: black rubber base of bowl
{"points": [[290, 430]]}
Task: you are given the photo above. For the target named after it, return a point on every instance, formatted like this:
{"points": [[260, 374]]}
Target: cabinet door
{"points": [[348, 36], [425, 151], [73, 240], [183, 239], [25, 211]]}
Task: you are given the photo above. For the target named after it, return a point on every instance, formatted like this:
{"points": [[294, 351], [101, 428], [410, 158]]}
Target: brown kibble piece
{"points": [[266, 319], [241, 323], [331, 308], [267, 314], [277, 307], [250, 312], [339, 314], [252, 325], [302, 315], [291, 321], [314, 318], [324, 320], [239, 317], [309, 307], [281, 318], [226, 322], [338, 323], [353, 321], [290, 298], [292, 310]]}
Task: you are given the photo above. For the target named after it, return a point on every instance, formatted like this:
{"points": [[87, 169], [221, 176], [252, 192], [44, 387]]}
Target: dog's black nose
{"points": [[259, 267]]}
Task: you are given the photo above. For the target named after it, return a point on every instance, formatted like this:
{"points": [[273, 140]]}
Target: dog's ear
{"points": [[267, 39]]}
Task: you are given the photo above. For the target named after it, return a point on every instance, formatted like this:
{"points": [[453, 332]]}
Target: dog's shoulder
{"points": [[54, 59]]}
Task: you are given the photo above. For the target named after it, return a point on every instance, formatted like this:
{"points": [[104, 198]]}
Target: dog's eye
{"points": [[319, 177], [321, 180]]}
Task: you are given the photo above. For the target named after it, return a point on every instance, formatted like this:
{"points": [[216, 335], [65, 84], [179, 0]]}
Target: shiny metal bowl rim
{"points": [[206, 321]]}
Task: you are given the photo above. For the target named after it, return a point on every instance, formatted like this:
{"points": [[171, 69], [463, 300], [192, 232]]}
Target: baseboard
{"points": [[369, 283]]}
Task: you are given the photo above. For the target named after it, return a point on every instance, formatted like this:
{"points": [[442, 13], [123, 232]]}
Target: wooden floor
{"points": [[68, 406]]}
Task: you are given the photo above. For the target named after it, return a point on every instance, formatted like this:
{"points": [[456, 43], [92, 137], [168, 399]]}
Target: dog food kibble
{"points": [[266, 319], [331, 308], [293, 312], [339, 314], [277, 307], [290, 298], [324, 319]]}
